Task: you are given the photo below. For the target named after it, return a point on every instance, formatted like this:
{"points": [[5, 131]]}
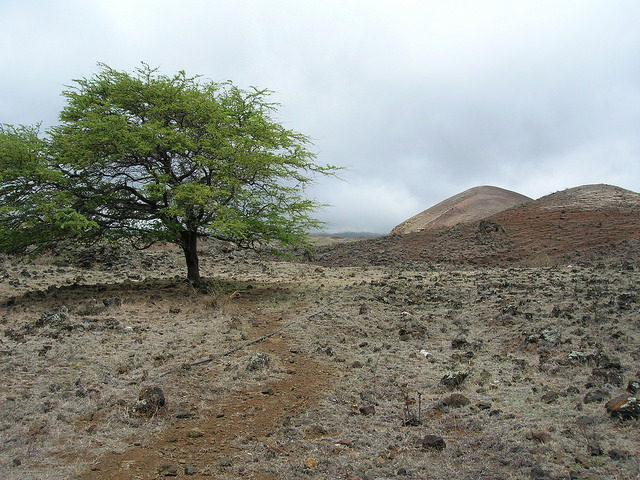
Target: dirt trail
{"points": [[209, 439]]}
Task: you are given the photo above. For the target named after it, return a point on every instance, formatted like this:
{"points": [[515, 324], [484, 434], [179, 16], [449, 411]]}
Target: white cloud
{"points": [[374, 206], [420, 99]]}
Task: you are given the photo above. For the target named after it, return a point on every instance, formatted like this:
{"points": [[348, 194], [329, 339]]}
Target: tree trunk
{"points": [[189, 243]]}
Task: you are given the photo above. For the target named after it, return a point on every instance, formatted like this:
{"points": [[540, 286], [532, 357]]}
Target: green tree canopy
{"points": [[148, 157]]}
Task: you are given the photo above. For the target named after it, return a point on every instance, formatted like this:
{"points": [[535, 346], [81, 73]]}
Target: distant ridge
{"points": [[585, 223], [469, 206], [590, 197]]}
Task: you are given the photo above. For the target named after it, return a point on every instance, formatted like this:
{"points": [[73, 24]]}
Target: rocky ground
{"points": [[114, 367]]}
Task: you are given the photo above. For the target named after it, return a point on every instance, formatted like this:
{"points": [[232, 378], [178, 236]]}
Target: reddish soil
{"points": [[565, 225]]}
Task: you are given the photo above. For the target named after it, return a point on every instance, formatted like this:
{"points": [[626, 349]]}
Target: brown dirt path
{"points": [[210, 439]]}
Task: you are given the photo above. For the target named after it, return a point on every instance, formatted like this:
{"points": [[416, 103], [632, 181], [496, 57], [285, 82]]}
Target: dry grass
{"points": [[67, 381]]}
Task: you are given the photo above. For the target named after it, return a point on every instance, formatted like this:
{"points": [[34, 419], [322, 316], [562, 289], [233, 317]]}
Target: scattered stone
{"points": [[539, 474], [168, 470], [584, 475], [225, 461], [150, 401], [592, 397], [594, 448], [585, 421], [195, 433], [617, 454], [603, 376], [454, 379], [459, 343], [624, 406], [433, 442], [363, 309], [112, 302], [258, 361], [183, 414], [538, 436], [551, 336], [575, 356], [633, 387], [368, 410], [190, 469], [455, 400], [550, 397]]}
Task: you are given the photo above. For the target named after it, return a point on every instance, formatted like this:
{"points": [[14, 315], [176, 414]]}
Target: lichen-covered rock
{"points": [[149, 402], [551, 336], [453, 379], [258, 361], [624, 406]]}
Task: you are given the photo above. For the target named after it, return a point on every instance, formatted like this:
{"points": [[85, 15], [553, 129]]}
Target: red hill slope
{"points": [[583, 222], [466, 207], [573, 220]]}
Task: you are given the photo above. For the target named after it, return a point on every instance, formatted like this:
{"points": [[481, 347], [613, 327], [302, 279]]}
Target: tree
{"points": [[34, 209], [148, 157]]}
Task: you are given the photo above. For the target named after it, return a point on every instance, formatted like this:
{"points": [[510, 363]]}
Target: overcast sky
{"points": [[418, 99]]}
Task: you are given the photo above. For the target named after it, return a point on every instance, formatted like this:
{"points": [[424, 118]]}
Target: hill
{"points": [[466, 207], [585, 220]]}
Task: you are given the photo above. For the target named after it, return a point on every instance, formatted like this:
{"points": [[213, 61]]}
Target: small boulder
{"points": [[624, 406], [190, 469], [258, 361], [551, 336], [617, 454], [459, 343], [454, 379], [594, 448], [550, 397], [149, 402], [433, 442], [168, 470], [539, 436], [455, 400], [592, 397], [368, 410]]}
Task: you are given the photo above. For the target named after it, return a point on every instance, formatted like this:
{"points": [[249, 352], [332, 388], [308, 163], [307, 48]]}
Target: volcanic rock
{"points": [[453, 379], [433, 442], [624, 406], [150, 400]]}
